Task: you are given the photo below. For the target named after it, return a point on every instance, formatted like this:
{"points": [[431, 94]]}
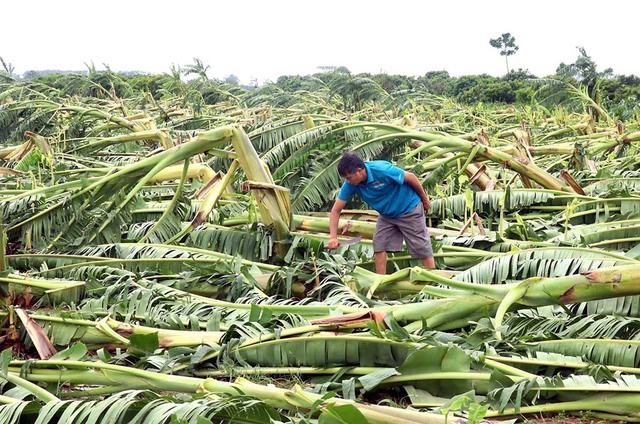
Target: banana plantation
{"points": [[163, 257]]}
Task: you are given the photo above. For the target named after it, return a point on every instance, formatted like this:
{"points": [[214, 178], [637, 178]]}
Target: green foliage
{"points": [[142, 406], [466, 402], [344, 414], [218, 304], [254, 243]]}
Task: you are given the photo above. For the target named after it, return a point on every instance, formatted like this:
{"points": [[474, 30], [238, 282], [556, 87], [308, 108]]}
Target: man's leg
{"points": [[413, 226], [386, 238], [380, 259], [429, 263]]}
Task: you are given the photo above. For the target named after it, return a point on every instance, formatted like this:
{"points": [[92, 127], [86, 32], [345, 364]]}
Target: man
{"points": [[400, 200]]}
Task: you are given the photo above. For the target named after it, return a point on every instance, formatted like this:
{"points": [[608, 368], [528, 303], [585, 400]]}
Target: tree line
{"points": [[350, 91]]}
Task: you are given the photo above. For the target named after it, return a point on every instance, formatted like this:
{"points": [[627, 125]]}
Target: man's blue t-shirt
{"points": [[384, 190]]}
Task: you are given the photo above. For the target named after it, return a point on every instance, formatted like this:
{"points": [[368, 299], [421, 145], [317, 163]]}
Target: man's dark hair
{"points": [[349, 164]]}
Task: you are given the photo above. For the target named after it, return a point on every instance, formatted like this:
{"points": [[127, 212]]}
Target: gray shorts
{"points": [[412, 227]]}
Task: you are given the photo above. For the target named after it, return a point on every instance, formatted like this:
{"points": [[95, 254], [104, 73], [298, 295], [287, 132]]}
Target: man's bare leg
{"points": [[427, 262], [380, 259]]}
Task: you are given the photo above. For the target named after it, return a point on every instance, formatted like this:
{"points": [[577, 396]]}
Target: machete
{"points": [[349, 241]]}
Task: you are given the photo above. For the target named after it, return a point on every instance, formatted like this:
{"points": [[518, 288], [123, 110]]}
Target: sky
{"points": [[261, 40]]}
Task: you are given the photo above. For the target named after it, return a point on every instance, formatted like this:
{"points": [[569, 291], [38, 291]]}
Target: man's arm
{"points": [[334, 219], [413, 181]]}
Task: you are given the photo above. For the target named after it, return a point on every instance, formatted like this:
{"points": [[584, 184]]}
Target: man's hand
{"points": [[334, 219], [333, 243], [413, 181]]}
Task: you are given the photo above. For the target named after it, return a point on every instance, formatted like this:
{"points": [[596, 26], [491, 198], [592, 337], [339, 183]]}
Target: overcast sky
{"points": [[264, 39]]}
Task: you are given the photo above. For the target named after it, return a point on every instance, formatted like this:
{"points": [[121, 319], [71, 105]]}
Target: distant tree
{"points": [[392, 83], [577, 85], [171, 84], [8, 67], [146, 83], [620, 88], [469, 88], [232, 79], [520, 74], [467, 82], [289, 82], [437, 82], [30, 74], [584, 71], [355, 90], [253, 82], [310, 83], [507, 45], [198, 68]]}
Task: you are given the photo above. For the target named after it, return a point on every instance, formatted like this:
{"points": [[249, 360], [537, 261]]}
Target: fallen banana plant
{"points": [[119, 378]]}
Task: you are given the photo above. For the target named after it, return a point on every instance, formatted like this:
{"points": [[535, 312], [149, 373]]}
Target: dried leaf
{"points": [[37, 334]]}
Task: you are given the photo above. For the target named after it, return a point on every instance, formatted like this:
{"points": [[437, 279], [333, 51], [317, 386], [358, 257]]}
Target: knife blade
{"points": [[349, 241]]}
